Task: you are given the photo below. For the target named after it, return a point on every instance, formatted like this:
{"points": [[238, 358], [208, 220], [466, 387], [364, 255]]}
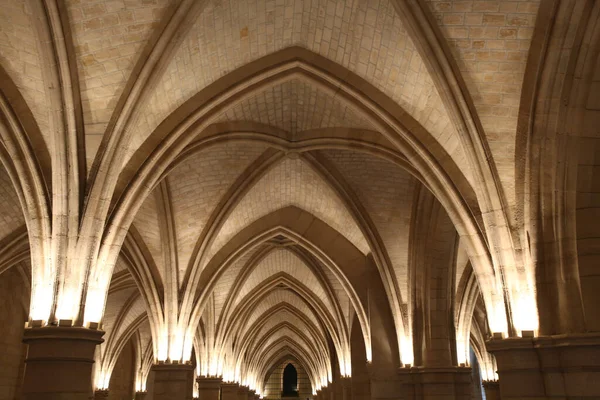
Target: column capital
{"points": [[101, 394], [173, 381], [57, 333], [209, 382], [59, 362], [168, 366], [140, 395]]}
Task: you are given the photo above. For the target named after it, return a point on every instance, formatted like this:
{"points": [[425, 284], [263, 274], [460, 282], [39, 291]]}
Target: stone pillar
{"points": [[229, 391], [492, 390], [59, 362], [209, 388], [140, 395], [173, 381], [101, 394], [548, 367], [243, 393], [324, 393], [452, 383], [346, 384]]}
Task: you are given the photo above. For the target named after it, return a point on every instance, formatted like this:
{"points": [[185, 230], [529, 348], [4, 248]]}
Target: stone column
{"points": [[59, 362], [173, 381], [452, 383], [548, 367], [243, 393], [346, 384], [229, 391], [209, 388], [318, 395], [101, 394], [140, 395], [492, 390], [324, 393]]}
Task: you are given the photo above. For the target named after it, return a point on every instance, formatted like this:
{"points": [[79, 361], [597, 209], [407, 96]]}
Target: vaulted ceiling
{"points": [[260, 161]]}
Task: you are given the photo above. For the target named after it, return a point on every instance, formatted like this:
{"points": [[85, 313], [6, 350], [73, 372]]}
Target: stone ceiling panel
{"points": [[280, 296], [340, 294], [109, 36], [225, 283], [137, 309], [198, 185], [297, 106], [283, 332], [114, 305], [386, 192], [281, 317], [21, 58], [11, 217], [292, 182], [282, 260], [368, 38], [490, 41], [147, 224]]}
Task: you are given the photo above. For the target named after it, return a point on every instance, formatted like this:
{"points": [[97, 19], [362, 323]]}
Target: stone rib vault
{"points": [[314, 199]]}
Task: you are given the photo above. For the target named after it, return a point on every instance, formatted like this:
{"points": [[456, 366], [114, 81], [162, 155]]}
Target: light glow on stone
{"points": [[407, 355], [525, 311]]}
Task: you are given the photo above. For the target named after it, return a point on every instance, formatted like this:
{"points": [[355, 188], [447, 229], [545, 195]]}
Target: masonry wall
{"points": [[122, 378], [14, 301], [275, 382]]}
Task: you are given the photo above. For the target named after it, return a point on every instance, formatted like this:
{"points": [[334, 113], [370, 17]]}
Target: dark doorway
{"points": [[290, 381]]}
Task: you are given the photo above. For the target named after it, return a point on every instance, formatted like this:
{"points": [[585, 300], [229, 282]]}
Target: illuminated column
{"points": [[229, 391], [452, 383], [101, 394], [140, 395], [173, 381], [346, 388], [209, 388], [243, 393], [492, 390], [59, 362], [548, 367]]}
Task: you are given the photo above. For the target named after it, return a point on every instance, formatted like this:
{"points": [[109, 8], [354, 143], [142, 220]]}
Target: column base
{"points": [[209, 388], [173, 381], [452, 383], [59, 362], [101, 394], [548, 367]]}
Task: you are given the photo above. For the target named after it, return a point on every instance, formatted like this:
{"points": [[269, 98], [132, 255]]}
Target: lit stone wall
{"points": [[588, 203], [121, 380], [14, 301], [274, 384]]}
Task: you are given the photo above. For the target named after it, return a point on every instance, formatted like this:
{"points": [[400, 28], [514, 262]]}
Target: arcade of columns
{"points": [[400, 198]]}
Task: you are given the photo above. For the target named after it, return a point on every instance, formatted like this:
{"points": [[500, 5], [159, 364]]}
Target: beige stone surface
{"points": [[378, 191]]}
